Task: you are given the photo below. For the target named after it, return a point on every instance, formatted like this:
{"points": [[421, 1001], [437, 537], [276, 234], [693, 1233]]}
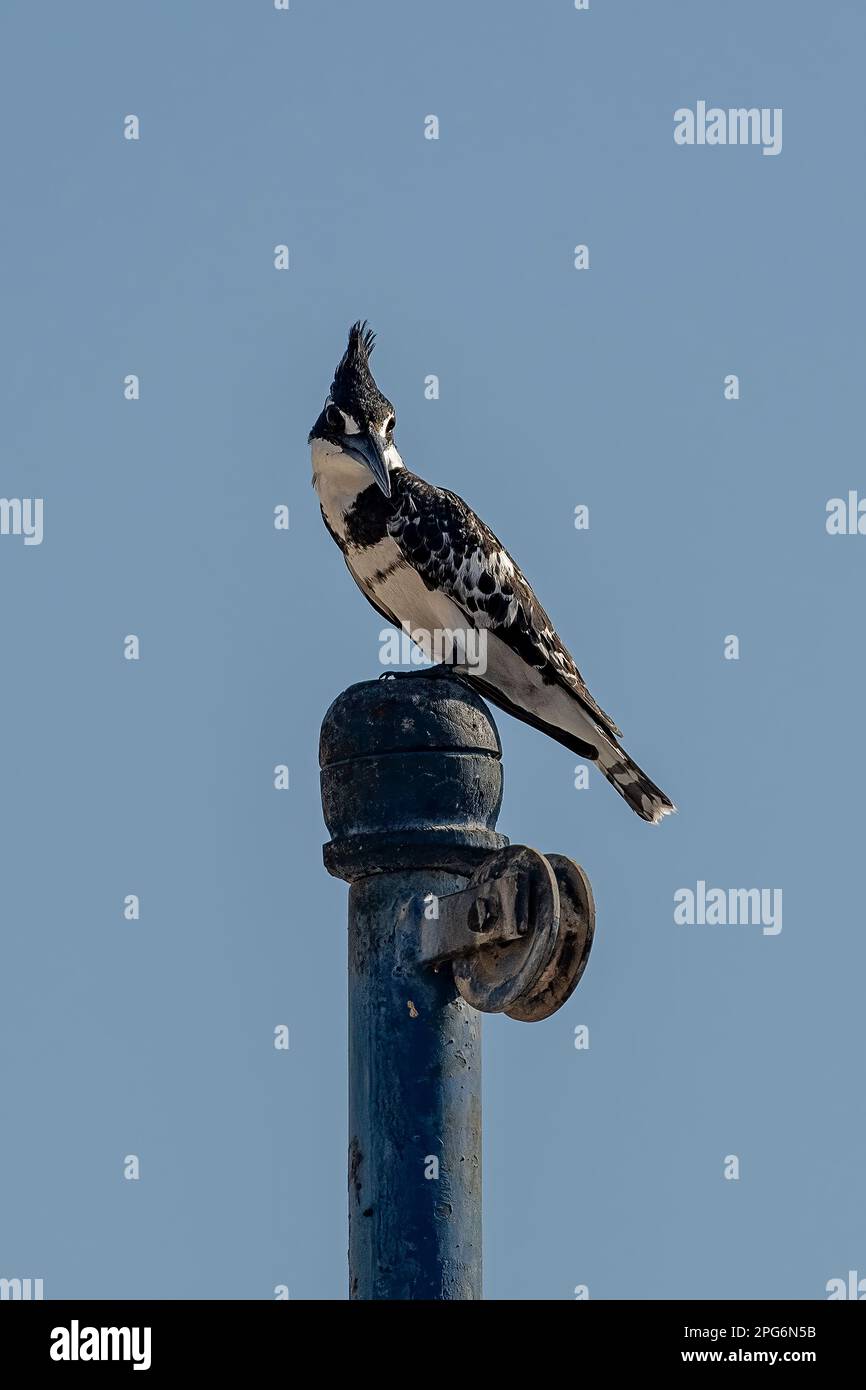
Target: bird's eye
{"points": [[334, 418], [389, 425]]}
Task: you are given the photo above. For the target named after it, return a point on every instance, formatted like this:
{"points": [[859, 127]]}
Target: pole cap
{"points": [[411, 777]]}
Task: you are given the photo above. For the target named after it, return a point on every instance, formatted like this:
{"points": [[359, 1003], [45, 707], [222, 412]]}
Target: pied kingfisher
{"points": [[426, 562]]}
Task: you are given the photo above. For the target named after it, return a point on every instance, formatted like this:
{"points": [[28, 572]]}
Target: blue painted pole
{"points": [[411, 788]]}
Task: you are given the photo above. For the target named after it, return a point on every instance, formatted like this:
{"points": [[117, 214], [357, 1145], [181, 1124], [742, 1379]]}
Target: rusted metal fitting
{"points": [[517, 937]]}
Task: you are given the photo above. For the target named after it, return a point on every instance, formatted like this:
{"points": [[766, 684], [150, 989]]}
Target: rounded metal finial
{"points": [[411, 777]]}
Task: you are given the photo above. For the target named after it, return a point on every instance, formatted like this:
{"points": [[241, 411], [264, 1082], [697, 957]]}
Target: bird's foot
{"points": [[444, 669]]}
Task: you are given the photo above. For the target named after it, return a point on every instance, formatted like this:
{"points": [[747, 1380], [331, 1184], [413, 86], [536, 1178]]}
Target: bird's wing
{"points": [[453, 551]]}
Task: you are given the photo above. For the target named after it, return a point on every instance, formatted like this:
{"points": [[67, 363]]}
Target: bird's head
{"points": [[357, 420]]}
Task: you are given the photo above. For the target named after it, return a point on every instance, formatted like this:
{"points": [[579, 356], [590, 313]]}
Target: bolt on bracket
{"points": [[517, 937]]}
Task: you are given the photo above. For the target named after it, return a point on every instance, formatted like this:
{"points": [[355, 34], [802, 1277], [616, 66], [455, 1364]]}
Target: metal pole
{"points": [[411, 788]]}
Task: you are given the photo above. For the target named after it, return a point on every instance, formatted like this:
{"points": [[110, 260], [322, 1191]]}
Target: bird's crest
{"points": [[355, 361], [362, 339], [353, 381]]}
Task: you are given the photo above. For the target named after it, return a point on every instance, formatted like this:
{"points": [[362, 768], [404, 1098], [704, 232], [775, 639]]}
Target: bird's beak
{"points": [[371, 448]]}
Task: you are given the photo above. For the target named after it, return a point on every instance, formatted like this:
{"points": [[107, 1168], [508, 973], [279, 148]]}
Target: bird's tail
{"points": [[643, 796]]}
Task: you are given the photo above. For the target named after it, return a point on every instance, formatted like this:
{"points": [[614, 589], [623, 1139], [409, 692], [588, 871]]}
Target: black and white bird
{"points": [[425, 561]]}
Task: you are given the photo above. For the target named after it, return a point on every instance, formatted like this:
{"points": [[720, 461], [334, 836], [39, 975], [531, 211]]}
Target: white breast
{"points": [[338, 480], [379, 570], [398, 589]]}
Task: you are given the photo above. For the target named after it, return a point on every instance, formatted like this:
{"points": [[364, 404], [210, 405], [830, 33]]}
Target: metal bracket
{"points": [[517, 937]]}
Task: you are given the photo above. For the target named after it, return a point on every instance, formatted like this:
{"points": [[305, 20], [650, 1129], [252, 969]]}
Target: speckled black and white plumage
{"points": [[423, 558], [453, 550]]}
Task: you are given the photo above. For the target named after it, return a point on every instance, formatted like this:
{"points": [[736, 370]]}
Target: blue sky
{"points": [[601, 387]]}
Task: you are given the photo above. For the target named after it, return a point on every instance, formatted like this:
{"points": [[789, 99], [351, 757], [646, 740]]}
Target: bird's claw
{"points": [[443, 669]]}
